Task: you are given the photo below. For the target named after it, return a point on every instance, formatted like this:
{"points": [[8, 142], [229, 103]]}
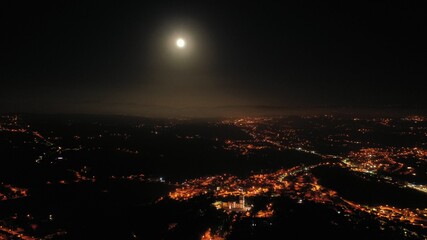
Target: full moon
{"points": [[180, 42]]}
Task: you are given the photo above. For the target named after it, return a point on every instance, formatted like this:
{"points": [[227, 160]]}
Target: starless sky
{"points": [[121, 57]]}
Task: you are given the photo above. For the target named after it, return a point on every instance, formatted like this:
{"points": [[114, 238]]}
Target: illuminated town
{"points": [[317, 149]]}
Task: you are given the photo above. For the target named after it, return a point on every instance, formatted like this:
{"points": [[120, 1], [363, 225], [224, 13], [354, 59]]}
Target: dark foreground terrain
{"points": [[113, 177]]}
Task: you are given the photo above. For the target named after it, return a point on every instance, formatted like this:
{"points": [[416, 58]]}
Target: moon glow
{"points": [[180, 42]]}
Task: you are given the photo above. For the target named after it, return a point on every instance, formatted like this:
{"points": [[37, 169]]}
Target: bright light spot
{"points": [[180, 43]]}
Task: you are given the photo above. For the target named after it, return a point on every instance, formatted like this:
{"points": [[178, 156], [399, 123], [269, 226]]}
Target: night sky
{"points": [[121, 57]]}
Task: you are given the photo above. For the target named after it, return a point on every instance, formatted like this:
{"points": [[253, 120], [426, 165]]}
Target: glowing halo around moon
{"points": [[180, 43]]}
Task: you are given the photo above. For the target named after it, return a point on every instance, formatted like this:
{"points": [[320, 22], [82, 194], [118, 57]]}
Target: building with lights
{"points": [[233, 206]]}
